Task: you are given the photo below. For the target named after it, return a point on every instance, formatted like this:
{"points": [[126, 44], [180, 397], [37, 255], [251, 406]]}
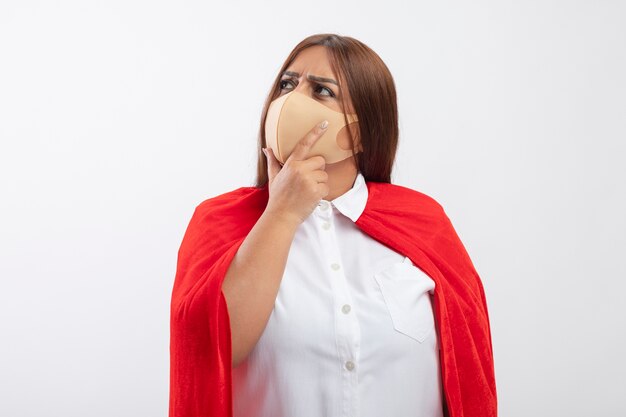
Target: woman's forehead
{"points": [[313, 61]]}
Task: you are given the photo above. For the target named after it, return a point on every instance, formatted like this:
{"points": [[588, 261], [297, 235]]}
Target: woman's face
{"points": [[310, 73]]}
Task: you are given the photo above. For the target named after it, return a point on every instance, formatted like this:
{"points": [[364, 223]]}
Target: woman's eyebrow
{"points": [[312, 77]]}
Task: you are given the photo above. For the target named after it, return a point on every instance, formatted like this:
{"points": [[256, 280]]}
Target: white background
{"points": [[118, 117]]}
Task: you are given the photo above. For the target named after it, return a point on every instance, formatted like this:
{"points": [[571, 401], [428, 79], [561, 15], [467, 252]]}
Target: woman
{"points": [[325, 289]]}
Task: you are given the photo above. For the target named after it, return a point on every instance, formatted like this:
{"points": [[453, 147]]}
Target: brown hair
{"points": [[373, 95]]}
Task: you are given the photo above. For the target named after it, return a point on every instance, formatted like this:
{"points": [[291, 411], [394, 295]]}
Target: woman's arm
{"points": [[253, 278]]}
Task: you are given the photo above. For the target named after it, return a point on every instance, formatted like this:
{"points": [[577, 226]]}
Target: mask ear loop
{"points": [[350, 119]]}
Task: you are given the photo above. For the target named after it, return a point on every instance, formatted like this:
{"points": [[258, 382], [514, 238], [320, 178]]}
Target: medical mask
{"points": [[291, 116]]}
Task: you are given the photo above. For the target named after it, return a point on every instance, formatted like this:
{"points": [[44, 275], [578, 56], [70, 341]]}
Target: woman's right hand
{"points": [[296, 187]]}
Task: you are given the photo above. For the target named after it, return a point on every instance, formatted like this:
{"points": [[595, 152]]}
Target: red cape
{"points": [[407, 221]]}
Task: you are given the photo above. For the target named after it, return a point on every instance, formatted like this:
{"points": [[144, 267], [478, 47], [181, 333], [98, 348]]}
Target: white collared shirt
{"points": [[352, 332]]}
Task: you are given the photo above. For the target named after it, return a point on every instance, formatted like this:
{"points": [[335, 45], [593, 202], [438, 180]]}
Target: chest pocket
{"points": [[406, 290]]}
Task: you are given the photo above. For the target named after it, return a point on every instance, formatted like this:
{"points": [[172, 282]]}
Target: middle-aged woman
{"points": [[324, 310]]}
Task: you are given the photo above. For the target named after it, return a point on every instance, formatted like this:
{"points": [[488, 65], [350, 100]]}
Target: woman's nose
{"points": [[302, 87]]}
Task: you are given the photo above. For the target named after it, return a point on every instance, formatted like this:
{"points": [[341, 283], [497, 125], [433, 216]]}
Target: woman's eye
{"points": [[330, 92], [282, 83]]}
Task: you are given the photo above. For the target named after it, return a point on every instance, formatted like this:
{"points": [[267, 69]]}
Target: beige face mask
{"points": [[291, 116]]}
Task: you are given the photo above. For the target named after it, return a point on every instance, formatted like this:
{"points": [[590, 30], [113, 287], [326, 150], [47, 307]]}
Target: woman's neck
{"points": [[341, 177]]}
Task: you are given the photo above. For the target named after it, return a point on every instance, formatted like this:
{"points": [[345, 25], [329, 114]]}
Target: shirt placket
{"points": [[347, 330]]}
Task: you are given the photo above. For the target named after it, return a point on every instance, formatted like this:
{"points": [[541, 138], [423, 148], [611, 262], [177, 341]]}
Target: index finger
{"points": [[301, 150]]}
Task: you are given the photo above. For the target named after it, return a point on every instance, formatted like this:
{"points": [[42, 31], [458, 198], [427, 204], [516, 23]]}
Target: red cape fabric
{"points": [[407, 221]]}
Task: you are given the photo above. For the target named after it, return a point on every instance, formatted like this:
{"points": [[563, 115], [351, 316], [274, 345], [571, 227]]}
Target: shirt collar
{"points": [[352, 203]]}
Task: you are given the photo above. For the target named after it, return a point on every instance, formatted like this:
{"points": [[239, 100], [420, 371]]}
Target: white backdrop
{"points": [[118, 117]]}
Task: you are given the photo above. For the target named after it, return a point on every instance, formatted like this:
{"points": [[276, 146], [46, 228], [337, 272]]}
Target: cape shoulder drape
{"points": [[408, 221]]}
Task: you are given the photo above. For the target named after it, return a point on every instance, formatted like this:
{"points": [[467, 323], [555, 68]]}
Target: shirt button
{"points": [[324, 205], [349, 365], [326, 225], [334, 266], [345, 308]]}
